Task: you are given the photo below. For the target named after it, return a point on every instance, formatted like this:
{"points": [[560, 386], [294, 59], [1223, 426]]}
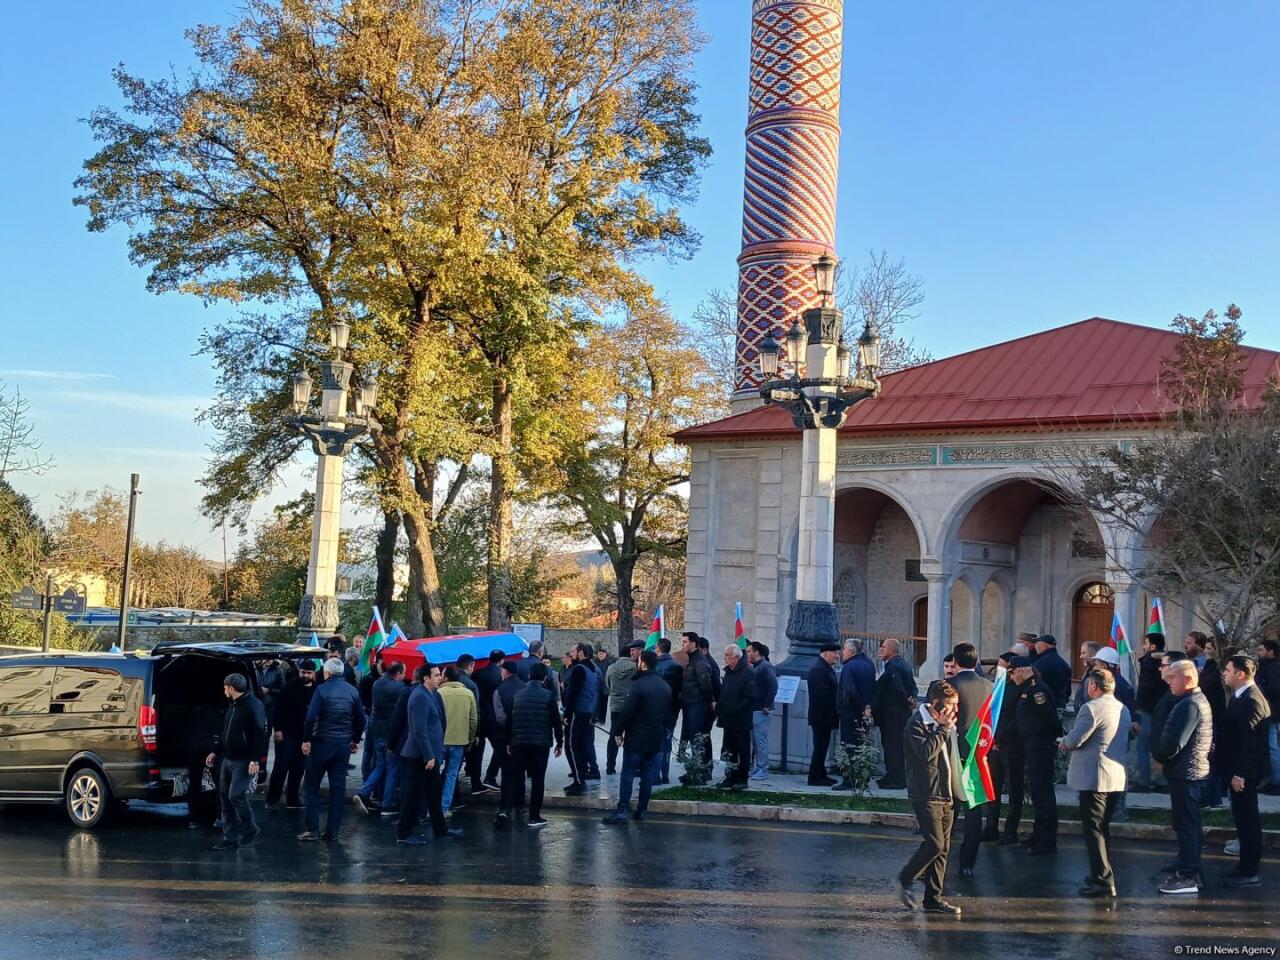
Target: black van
{"points": [[85, 730]]}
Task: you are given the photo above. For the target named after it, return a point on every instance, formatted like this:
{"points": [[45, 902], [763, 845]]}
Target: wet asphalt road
{"points": [[146, 887]]}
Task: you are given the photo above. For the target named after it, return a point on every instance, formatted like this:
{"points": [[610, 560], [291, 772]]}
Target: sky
{"points": [[1034, 163]]}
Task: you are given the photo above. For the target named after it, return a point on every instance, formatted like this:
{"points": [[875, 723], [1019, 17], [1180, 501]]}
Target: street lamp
{"points": [[819, 402], [332, 433]]}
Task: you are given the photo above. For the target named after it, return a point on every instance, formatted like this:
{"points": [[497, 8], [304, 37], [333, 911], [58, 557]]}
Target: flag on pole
{"points": [[975, 774], [1155, 623], [374, 638], [315, 641], [114, 649], [395, 635], [1119, 641], [739, 634], [656, 630]]}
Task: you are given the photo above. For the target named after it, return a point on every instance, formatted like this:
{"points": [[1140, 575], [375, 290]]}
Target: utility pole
{"points": [[128, 559], [48, 610], [226, 593]]}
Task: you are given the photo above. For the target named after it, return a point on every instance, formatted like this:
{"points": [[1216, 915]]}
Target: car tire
{"points": [[87, 798]]}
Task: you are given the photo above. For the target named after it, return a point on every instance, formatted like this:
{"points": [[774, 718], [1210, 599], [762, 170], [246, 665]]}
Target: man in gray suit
{"points": [[1099, 747]]}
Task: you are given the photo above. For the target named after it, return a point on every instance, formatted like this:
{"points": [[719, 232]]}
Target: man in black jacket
{"points": [[534, 725], [1006, 759], [1186, 738], [973, 691], [331, 734], [1203, 652], [891, 707], [244, 740], [766, 693], [1243, 759], [639, 728], [1054, 672], [383, 697], [933, 784], [823, 716], [504, 699], [291, 711], [737, 700], [471, 762], [1150, 689], [670, 670], [1039, 727], [697, 691], [488, 680]]}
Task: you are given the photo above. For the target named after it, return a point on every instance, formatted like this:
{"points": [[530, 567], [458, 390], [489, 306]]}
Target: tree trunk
{"points": [[385, 554], [425, 602], [623, 574], [498, 573]]}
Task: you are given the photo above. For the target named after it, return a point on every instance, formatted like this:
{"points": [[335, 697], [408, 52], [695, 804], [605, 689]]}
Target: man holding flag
{"points": [[975, 740]]}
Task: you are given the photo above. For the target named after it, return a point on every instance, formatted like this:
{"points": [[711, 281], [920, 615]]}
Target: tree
{"points": [[24, 547], [171, 576], [1202, 494], [19, 446], [88, 536], [620, 478], [881, 290], [268, 573]]}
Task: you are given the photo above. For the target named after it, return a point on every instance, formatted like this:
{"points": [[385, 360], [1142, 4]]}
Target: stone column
{"points": [[1125, 595], [318, 611], [816, 541], [939, 619]]}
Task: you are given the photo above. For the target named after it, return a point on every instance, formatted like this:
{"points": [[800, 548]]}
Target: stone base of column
{"points": [[318, 615], [810, 624]]}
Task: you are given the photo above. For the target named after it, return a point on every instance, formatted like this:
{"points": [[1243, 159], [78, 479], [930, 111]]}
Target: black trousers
{"points": [[581, 732], [495, 759], [1040, 754], [512, 779], [929, 862], [471, 763], [737, 744], [1096, 811], [973, 821], [419, 782], [286, 772], [529, 762], [821, 744], [611, 750], [895, 758], [1013, 778], [1244, 811]]}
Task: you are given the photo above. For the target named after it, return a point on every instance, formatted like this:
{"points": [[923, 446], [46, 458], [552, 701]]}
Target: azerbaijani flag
{"points": [[739, 634], [1155, 624], [374, 638], [656, 630], [315, 641], [395, 635], [975, 774], [1118, 639]]}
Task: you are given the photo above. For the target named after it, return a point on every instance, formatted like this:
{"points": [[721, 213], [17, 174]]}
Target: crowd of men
{"points": [[1200, 732]]}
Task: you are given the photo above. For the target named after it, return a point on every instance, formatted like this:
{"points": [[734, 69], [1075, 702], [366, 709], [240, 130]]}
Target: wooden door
{"points": [[1094, 609], [920, 628]]}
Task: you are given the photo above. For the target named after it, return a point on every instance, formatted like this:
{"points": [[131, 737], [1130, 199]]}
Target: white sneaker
{"points": [[1232, 848]]}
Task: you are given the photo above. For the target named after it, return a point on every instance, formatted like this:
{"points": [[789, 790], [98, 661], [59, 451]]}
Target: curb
{"points": [[879, 818]]}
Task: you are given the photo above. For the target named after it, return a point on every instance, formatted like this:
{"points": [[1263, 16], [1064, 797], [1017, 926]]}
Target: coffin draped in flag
{"points": [[975, 772], [443, 651]]}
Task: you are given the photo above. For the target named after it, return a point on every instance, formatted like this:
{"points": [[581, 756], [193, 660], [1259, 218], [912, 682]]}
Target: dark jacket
{"points": [[857, 686], [399, 727], [1268, 681], [504, 699], [1151, 686], [272, 681], [1037, 715], [291, 708], [1215, 691], [697, 686], [383, 698], [365, 687], [581, 690], [244, 730], [535, 718], [895, 694], [487, 681], [669, 669], [1242, 749], [525, 668], [466, 681], [1056, 675], [1183, 747], [643, 716], [1007, 738], [425, 738], [766, 685], [335, 713], [823, 687], [933, 769], [1125, 694], [973, 691], [737, 697]]}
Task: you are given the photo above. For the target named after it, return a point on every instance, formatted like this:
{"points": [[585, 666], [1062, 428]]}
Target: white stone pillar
{"points": [[1125, 597], [939, 622], [816, 538]]}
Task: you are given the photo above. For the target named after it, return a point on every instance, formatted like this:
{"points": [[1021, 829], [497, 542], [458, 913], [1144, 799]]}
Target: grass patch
{"points": [[836, 801]]}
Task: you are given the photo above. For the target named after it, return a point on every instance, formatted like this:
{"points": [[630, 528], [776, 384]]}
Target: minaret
{"points": [[793, 143]]}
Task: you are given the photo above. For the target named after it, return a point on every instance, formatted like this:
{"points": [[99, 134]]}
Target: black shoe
{"points": [[738, 787], [684, 779], [224, 845], [328, 837], [574, 790], [664, 781], [941, 906], [966, 873], [290, 805], [536, 822], [1042, 851], [843, 785], [1092, 889], [308, 835], [1008, 839], [904, 894], [453, 833], [595, 775], [617, 817], [990, 836], [491, 785], [413, 840], [1241, 881], [248, 838], [500, 820], [389, 812], [639, 816], [610, 772], [890, 785], [822, 781]]}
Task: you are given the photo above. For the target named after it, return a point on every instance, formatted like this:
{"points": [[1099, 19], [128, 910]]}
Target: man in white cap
{"points": [[1109, 658]]}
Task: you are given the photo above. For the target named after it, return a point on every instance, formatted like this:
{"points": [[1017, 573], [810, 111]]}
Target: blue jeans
{"points": [[1142, 775], [376, 779], [1184, 811], [452, 764], [647, 766], [328, 758], [760, 743], [392, 781], [1273, 742]]}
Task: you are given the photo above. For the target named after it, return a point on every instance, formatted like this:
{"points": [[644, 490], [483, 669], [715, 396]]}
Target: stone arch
{"points": [[884, 489], [850, 596], [876, 553]]}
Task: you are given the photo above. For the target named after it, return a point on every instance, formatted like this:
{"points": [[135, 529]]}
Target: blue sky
{"points": [[1035, 163]]}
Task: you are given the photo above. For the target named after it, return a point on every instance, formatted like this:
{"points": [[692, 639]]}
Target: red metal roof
{"points": [[1091, 372]]}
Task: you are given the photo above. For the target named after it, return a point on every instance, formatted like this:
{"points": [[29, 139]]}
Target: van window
{"points": [[88, 690], [25, 690]]}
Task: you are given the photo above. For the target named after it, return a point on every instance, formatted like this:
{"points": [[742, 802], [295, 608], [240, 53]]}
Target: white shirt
{"points": [[1240, 690]]}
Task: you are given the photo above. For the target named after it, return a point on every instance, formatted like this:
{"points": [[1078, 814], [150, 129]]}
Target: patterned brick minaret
{"points": [[793, 143]]}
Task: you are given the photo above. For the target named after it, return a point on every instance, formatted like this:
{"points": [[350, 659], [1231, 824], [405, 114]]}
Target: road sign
{"points": [[28, 599], [69, 602]]}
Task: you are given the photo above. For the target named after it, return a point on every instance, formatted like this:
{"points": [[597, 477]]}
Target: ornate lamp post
{"points": [[331, 432], [818, 403]]}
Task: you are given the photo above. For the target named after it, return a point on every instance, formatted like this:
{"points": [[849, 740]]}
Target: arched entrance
{"points": [[1094, 607], [920, 617]]}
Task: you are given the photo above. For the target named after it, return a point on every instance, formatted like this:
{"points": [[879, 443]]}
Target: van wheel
{"points": [[87, 797]]}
